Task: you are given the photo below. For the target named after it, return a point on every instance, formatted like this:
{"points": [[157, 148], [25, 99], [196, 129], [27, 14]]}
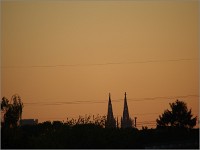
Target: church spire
{"points": [[110, 111], [110, 122], [126, 122], [125, 111], [109, 99]]}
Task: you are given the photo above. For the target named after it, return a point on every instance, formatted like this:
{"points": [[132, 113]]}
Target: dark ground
{"points": [[93, 136]]}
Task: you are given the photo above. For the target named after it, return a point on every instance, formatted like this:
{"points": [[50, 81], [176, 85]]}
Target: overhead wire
{"points": [[150, 123], [105, 101], [117, 100], [100, 64]]}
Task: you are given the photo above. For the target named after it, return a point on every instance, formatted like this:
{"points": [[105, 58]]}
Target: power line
{"points": [[100, 64], [115, 100], [136, 114], [144, 114], [149, 123], [164, 97]]}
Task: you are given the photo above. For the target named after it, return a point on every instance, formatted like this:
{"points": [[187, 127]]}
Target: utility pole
{"points": [[135, 122]]}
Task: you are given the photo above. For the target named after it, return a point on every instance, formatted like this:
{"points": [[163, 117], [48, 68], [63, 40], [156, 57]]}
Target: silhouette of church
{"points": [[126, 121], [110, 122]]}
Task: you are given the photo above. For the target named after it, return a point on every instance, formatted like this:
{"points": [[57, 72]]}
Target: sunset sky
{"points": [[64, 57]]}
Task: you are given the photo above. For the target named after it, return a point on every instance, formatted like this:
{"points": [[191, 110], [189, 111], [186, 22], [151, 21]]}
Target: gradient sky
{"points": [[50, 52]]}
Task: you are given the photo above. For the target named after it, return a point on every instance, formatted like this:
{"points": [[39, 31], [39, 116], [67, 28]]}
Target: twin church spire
{"points": [[126, 121], [110, 122]]}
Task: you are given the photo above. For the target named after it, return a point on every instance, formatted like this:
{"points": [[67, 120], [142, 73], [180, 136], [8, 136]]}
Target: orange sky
{"points": [[40, 39]]}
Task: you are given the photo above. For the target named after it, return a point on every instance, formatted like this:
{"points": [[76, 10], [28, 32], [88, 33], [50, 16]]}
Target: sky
{"points": [[64, 57]]}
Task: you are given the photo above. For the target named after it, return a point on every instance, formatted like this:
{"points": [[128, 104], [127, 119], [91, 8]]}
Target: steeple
{"points": [[125, 111], [110, 111], [110, 122], [126, 122]]}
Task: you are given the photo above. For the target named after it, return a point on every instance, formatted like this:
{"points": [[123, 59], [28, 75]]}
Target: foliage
{"points": [[179, 116], [96, 120], [90, 132], [144, 128], [4, 104], [12, 110], [60, 135]]}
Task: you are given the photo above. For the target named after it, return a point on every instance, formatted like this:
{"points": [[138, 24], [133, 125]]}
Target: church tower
{"points": [[110, 122], [126, 121]]}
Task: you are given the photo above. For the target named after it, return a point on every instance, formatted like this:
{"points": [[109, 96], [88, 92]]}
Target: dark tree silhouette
{"points": [[179, 116], [90, 135], [4, 104], [96, 120], [12, 110]]}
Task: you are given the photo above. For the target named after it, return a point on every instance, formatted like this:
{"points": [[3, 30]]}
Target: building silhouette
{"points": [[28, 122], [126, 121], [110, 122]]}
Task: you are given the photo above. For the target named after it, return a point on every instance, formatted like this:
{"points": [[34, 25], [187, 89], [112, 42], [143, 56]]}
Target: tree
{"points": [[179, 116], [12, 110]]}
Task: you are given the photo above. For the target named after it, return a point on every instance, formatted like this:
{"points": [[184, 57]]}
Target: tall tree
{"points": [[12, 110], [178, 116]]}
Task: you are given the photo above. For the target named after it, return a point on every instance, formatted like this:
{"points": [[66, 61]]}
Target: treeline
{"points": [[91, 135], [174, 130]]}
